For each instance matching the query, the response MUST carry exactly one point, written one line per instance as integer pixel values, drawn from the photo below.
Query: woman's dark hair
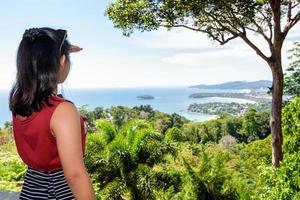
(38, 60)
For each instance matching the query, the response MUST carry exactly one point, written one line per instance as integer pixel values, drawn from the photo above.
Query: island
(254, 95)
(144, 97)
(257, 91)
(216, 108)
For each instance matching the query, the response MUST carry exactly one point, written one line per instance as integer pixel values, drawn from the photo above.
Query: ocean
(166, 99)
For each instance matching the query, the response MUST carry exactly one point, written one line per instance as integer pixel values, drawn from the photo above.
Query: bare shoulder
(65, 115)
(65, 107)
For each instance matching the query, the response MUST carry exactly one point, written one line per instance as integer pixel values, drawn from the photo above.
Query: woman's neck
(55, 90)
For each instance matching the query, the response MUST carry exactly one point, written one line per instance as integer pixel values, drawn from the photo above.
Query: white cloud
(177, 38)
(237, 62)
(237, 55)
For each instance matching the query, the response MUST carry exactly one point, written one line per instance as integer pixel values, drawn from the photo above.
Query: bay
(166, 99)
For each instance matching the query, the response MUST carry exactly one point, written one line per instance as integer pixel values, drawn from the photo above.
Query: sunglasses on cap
(64, 36)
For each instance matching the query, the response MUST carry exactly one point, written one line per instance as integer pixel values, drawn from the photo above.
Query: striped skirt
(40, 185)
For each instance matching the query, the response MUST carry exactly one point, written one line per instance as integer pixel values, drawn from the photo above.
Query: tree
(177, 120)
(175, 134)
(211, 131)
(122, 161)
(255, 125)
(146, 111)
(91, 116)
(105, 129)
(231, 125)
(120, 114)
(222, 21)
(292, 77)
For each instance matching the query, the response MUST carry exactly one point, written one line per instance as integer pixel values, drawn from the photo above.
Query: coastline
(167, 99)
(251, 97)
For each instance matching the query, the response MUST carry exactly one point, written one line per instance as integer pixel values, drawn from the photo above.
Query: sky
(151, 59)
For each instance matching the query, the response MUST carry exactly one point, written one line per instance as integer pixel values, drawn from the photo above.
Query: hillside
(255, 85)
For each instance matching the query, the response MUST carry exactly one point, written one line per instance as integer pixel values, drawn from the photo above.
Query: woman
(48, 130)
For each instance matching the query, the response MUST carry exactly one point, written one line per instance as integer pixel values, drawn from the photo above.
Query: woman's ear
(62, 62)
(62, 67)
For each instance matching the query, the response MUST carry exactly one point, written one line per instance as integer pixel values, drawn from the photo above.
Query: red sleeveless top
(34, 141)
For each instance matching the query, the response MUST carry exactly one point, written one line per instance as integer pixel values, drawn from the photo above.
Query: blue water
(166, 99)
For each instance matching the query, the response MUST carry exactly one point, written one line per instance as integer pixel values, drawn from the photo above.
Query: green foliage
(162, 122)
(177, 120)
(126, 159)
(6, 135)
(136, 15)
(211, 131)
(191, 131)
(252, 126)
(175, 134)
(137, 164)
(148, 15)
(232, 125)
(94, 143)
(190, 160)
(210, 178)
(168, 180)
(8, 126)
(120, 114)
(91, 116)
(256, 153)
(284, 182)
(12, 168)
(106, 130)
(255, 125)
(146, 111)
(291, 126)
(292, 77)
(238, 127)
(250, 157)
(115, 186)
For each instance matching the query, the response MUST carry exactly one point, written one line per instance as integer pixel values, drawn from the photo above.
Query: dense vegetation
(139, 153)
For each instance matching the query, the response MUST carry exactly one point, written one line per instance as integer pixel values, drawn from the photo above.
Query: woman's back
(35, 142)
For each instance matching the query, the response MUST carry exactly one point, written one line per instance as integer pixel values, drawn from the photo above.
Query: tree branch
(291, 23)
(255, 48)
(261, 32)
(295, 5)
(233, 31)
(183, 26)
(222, 41)
(289, 12)
(268, 20)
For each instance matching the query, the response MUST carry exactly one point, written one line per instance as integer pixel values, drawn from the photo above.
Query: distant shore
(256, 97)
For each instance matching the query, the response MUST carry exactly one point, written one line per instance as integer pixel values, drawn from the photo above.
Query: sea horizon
(171, 99)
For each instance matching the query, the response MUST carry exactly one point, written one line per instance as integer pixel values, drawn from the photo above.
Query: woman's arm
(65, 124)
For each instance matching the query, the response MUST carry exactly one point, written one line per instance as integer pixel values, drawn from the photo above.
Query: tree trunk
(275, 118)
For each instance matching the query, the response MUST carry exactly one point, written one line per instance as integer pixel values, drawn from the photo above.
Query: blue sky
(160, 58)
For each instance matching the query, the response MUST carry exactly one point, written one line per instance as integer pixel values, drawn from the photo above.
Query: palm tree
(122, 165)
